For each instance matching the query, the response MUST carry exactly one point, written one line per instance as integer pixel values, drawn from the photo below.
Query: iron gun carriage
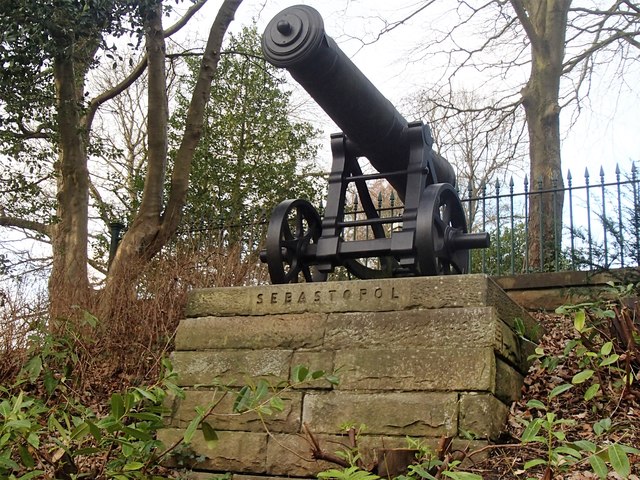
(432, 238)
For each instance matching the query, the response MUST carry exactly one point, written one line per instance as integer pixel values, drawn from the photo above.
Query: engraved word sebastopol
(329, 295)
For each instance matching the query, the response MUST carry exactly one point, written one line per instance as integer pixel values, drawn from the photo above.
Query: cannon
(429, 237)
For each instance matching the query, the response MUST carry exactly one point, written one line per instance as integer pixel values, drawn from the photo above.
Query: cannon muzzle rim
(292, 35)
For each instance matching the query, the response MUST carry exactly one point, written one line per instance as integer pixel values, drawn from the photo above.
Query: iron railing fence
(600, 225)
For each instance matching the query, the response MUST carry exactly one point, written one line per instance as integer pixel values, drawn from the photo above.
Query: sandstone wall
(419, 357)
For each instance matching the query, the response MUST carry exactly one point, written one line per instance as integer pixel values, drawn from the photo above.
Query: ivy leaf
(560, 389)
(619, 460)
(610, 360)
(606, 348)
(591, 391)
(536, 404)
(582, 376)
(50, 382)
(579, 320)
(598, 466)
(209, 434)
(530, 432)
(191, 429)
(300, 373)
(117, 406)
(132, 466)
(243, 400)
(277, 404)
(534, 463)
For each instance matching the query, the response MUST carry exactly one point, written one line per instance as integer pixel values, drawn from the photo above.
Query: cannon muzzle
(295, 39)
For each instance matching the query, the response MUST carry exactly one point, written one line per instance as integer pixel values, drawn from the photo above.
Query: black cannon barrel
(295, 39)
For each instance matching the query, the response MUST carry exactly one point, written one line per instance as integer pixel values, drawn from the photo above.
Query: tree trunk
(69, 284)
(545, 24)
(152, 228)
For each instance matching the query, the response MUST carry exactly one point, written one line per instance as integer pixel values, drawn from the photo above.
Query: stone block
(390, 413)
(234, 452)
(314, 361)
(439, 369)
(508, 382)
(471, 326)
(290, 456)
(445, 291)
(223, 417)
(194, 475)
(231, 366)
(303, 330)
(482, 415)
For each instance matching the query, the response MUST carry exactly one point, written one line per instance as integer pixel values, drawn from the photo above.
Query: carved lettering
(362, 294)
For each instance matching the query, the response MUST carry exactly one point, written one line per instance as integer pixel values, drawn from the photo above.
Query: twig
(318, 454)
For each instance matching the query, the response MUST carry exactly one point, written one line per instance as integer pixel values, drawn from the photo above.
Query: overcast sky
(605, 132)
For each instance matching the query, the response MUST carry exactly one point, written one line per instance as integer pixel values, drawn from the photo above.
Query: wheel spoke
(440, 210)
(293, 226)
(446, 213)
(306, 271)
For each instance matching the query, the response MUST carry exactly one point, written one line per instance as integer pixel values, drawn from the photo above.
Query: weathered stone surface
(314, 361)
(426, 357)
(362, 295)
(302, 330)
(509, 311)
(445, 291)
(471, 326)
(391, 413)
(290, 456)
(203, 368)
(508, 382)
(194, 475)
(234, 452)
(482, 415)
(223, 417)
(446, 368)
(514, 348)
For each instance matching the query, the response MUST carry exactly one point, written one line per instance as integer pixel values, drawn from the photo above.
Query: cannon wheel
(293, 226)
(440, 218)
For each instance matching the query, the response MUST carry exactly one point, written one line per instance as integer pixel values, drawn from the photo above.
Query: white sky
(605, 132)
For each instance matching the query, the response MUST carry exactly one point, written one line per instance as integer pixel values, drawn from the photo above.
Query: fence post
(484, 224)
(571, 227)
(513, 244)
(115, 227)
(540, 239)
(620, 234)
(588, 188)
(469, 228)
(604, 219)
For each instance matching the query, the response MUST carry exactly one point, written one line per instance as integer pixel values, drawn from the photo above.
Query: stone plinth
(422, 357)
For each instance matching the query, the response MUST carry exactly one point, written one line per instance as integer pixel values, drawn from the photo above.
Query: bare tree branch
(10, 221)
